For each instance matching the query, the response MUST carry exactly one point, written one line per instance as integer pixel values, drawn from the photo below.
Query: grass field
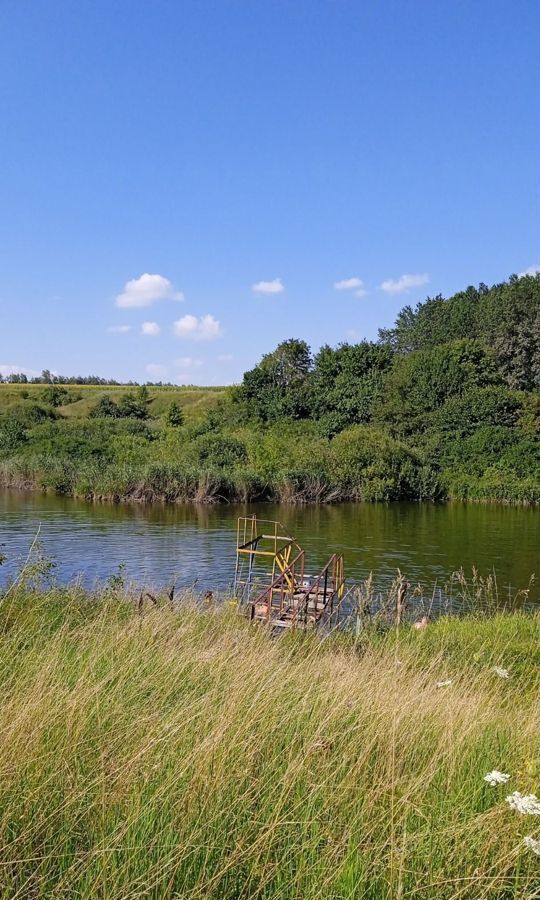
(195, 401)
(184, 753)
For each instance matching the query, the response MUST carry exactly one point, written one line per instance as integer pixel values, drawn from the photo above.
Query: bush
(55, 395)
(175, 415)
(131, 407)
(16, 424)
(289, 446)
(33, 414)
(12, 434)
(105, 408)
(372, 466)
(70, 440)
(492, 446)
(220, 450)
(494, 405)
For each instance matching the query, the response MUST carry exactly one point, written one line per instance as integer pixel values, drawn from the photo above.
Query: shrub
(370, 465)
(494, 405)
(33, 414)
(492, 446)
(55, 395)
(12, 434)
(105, 408)
(220, 450)
(175, 415)
(131, 406)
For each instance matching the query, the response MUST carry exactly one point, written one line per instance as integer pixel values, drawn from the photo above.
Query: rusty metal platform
(270, 578)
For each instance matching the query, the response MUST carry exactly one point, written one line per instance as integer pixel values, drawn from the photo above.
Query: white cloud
(348, 284)
(151, 328)
(225, 357)
(119, 329)
(187, 362)
(146, 290)
(404, 283)
(7, 369)
(532, 270)
(268, 287)
(156, 370)
(351, 284)
(205, 328)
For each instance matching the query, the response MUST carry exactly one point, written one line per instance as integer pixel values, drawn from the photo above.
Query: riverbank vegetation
(183, 752)
(445, 405)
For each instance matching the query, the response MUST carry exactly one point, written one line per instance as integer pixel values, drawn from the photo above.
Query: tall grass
(183, 753)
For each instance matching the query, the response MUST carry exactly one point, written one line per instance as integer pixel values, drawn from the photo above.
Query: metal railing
(328, 585)
(278, 597)
(292, 592)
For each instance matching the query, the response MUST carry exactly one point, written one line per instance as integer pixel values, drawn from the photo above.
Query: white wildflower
(526, 804)
(444, 683)
(502, 673)
(496, 777)
(532, 844)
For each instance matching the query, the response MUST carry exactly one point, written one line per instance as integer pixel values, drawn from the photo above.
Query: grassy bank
(183, 753)
(210, 457)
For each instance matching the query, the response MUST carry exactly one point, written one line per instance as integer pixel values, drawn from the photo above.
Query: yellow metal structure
(270, 577)
(263, 550)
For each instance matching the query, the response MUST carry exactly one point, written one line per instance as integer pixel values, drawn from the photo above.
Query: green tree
(131, 407)
(54, 395)
(421, 382)
(346, 382)
(278, 386)
(505, 317)
(105, 408)
(175, 415)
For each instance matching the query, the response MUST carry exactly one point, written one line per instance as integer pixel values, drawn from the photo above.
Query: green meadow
(180, 752)
(82, 398)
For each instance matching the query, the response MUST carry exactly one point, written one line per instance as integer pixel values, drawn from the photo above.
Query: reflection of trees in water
(427, 542)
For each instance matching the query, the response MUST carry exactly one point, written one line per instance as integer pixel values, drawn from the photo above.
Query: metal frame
(266, 547)
(275, 585)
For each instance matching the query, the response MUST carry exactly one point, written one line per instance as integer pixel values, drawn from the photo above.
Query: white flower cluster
(502, 673)
(526, 804)
(532, 844)
(496, 777)
(444, 683)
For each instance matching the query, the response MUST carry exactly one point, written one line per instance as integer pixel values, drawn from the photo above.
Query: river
(196, 544)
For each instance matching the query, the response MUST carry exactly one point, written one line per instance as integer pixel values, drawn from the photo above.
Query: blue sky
(245, 156)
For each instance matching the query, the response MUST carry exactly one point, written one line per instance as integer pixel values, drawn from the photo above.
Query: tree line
(446, 404)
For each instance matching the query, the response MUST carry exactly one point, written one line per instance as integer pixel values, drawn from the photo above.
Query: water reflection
(156, 543)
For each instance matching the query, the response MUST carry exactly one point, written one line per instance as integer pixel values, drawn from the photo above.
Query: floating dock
(270, 578)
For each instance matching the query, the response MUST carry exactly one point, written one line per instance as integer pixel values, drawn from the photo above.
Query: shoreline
(145, 496)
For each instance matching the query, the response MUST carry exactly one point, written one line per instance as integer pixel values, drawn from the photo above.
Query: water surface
(197, 543)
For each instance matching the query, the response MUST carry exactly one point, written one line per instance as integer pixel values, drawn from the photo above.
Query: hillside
(195, 401)
(446, 405)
